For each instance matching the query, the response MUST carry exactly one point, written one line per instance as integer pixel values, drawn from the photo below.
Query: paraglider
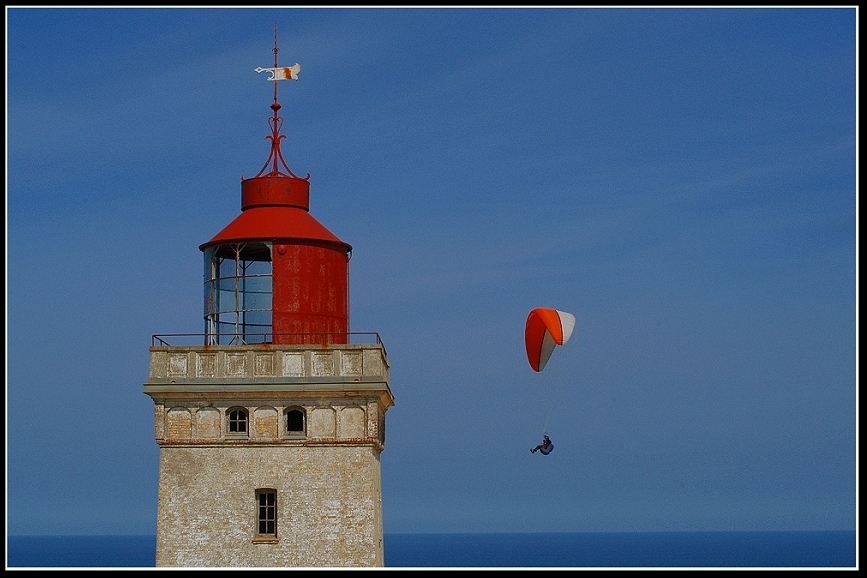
(546, 329)
(545, 447)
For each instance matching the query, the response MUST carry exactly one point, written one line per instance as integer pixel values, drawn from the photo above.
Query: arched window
(295, 421)
(238, 420)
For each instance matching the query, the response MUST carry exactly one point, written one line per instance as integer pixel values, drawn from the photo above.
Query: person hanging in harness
(545, 447)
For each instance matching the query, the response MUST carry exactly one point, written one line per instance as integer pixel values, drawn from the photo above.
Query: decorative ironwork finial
(276, 121)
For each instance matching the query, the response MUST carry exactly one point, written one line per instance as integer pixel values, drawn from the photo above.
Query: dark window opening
(238, 421)
(266, 512)
(295, 421)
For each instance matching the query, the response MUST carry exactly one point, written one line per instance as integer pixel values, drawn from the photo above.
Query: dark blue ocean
(579, 550)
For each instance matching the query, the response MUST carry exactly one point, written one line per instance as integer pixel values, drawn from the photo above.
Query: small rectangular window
(266, 504)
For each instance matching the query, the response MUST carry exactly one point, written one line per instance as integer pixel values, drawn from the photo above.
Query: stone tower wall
(327, 478)
(329, 506)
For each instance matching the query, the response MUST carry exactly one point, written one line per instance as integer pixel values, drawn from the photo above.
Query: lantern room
(275, 274)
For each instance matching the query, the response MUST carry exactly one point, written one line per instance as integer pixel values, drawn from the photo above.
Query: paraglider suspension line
(548, 417)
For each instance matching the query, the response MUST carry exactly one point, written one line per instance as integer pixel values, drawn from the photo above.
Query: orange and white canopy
(546, 328)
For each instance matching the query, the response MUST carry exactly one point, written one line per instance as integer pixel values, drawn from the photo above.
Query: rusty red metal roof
(275, 223)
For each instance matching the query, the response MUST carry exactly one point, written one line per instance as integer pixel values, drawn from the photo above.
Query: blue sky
(683, 181)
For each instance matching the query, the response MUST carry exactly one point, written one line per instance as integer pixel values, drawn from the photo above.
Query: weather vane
(278, 73)
(276, 122)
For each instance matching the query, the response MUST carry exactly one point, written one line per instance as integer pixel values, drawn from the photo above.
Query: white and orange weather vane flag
(282, 73)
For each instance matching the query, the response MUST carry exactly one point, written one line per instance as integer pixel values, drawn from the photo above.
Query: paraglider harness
(545, 447)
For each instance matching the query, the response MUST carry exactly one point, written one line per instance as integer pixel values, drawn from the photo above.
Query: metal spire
(276, 121)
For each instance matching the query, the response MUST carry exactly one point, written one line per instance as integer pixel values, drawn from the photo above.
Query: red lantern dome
(275, 274)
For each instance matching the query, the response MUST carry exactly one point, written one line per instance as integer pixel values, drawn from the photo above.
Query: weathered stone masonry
(327, 477)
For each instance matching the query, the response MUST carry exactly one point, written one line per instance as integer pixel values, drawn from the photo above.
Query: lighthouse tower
(271, 423)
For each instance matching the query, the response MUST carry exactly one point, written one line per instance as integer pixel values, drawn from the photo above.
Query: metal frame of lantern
(238, 294)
